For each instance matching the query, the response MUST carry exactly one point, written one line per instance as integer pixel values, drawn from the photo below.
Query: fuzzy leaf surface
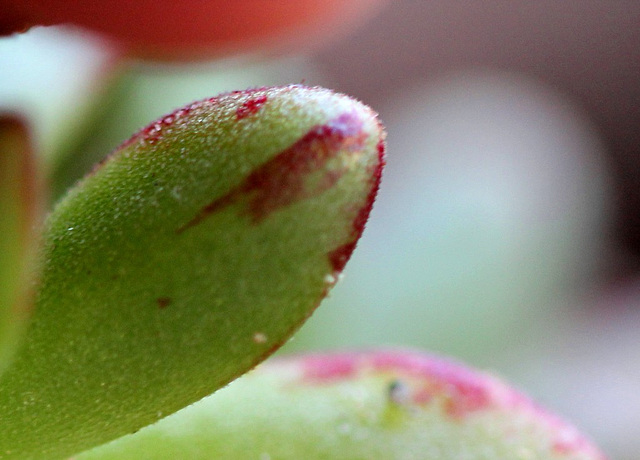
(189, 255)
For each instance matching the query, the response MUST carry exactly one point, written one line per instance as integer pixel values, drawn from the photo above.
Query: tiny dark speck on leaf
(398, 392)
(163, 302)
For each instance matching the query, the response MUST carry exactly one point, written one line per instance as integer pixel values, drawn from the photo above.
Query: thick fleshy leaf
(386, 405)
(188, 256)
(19, 200)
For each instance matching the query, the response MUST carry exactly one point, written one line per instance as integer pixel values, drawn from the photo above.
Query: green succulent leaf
(19, 204)
(188, 256)
(383, 405)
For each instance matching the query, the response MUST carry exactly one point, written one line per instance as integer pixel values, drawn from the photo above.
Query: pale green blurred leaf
(385, 405)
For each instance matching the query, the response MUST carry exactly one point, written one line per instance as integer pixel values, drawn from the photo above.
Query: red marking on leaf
(423, 396)
(426, 379)
(340, 256)
(152, 133)
(462, 390)
(466, 397)
(577, 445)
(327, 368)
(569, 442)
(465, 391)
(251, 106)
(281, 181)
(163, 302)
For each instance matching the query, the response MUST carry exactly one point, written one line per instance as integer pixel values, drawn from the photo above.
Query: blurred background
(507, 229)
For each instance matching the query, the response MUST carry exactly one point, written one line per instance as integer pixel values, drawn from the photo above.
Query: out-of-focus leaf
(189, 255)
(385, 405)
(192, 28)
(19, 200)
(53, 75)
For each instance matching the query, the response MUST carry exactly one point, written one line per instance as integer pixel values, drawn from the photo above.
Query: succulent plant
(188, 256)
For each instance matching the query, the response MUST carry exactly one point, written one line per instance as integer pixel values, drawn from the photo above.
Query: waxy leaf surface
(383, 405)
(189, 255)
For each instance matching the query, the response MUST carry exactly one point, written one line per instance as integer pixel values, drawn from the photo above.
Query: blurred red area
(197, 28)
